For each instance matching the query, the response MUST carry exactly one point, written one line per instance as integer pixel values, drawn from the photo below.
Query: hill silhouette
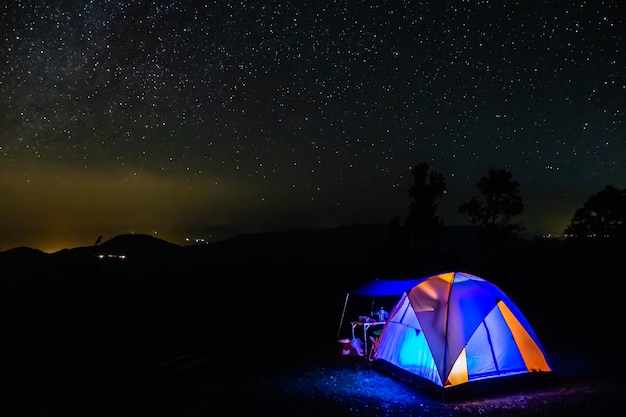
(137, 243)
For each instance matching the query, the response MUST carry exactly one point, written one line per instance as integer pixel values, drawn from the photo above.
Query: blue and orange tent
(454, 328)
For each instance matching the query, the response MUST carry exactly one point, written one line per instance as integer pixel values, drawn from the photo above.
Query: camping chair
(374, 343)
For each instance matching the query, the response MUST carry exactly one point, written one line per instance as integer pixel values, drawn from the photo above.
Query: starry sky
(204, 119)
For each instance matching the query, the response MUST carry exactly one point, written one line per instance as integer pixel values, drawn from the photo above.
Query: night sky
(187, 119)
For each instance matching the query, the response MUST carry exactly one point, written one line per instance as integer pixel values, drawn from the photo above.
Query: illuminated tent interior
(454, 328)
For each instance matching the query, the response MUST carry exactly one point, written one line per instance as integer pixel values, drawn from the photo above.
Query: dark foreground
(83, 337)
(312, 381)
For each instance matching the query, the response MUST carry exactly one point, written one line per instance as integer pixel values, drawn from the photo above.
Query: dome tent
(454, 328)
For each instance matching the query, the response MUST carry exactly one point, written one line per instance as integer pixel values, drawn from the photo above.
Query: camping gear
(381, 314)
(453, 328)
(377, 288)
(344, 346)
(386, 289)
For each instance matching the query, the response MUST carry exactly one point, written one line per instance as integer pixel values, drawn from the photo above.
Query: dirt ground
(324, 385)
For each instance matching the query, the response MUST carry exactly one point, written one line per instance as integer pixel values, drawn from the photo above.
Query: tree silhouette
(602, 216)
(500, 203)
(422, 223)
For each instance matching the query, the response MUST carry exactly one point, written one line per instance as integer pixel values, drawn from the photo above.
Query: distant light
(111, 256)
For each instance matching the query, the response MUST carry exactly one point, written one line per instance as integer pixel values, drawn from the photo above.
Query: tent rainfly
(454, 328)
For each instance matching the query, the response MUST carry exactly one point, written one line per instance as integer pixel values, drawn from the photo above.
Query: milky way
(194, 118)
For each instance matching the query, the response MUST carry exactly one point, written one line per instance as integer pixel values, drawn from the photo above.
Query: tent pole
(343, 312)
